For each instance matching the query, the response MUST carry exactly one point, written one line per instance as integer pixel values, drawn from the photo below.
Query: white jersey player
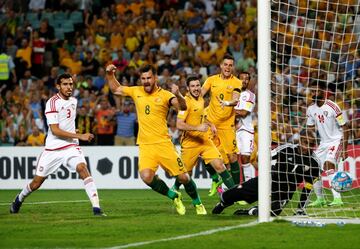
(245, 128)
(328, 119)
(61, 146)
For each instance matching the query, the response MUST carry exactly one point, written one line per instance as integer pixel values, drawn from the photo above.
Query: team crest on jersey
(326, 113)
(158, 100)
(244, 98)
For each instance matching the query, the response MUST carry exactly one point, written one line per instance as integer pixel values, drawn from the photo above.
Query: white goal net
(317, 41)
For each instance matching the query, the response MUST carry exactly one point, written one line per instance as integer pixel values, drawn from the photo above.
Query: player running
(333, 129)
(155, 147)
(196, 140)
(224, 91)
(61, 145)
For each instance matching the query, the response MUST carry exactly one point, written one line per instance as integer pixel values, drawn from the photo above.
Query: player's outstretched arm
(182, 125)
(179, 102)
(115, 87)
(55, 129)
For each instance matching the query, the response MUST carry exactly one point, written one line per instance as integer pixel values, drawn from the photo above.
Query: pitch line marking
(46, 202)
(186, 236)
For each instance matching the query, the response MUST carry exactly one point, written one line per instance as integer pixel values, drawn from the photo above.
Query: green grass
(143, 215)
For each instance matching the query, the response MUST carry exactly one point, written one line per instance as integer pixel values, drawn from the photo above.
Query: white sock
(26, 191)
(318, 189)
(91, 191)
(249, 171)
(335, 193)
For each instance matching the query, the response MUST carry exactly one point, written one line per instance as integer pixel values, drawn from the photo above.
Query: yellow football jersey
(222, 118)
(152, 110)
(194, 115)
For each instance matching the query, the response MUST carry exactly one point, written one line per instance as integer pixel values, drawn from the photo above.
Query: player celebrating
(224, 90)
(61, 146)
(155, 147)
(245, 131)
(195, 138)
(327, 117)
(292, 165)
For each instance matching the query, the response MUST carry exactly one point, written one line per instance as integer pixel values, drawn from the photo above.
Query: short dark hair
(245, 72)
(191, 78)
(228, 57)
(320, 84)
(63, 76)
(147, 68)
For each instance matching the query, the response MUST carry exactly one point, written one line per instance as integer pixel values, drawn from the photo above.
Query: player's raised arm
(115, 87)
(179, 102)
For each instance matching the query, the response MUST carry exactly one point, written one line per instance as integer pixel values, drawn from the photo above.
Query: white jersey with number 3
(328, 120)
(62, 112)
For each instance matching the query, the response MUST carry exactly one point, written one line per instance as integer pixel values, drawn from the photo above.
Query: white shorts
(329, 152)
(50, 161)
(245, 142)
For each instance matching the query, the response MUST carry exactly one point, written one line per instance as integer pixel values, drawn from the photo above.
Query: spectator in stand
(174, 132)
(166, 65)
(84, 123)
(11, 48)
(7, 72)
(168, 46)
(21, 136)
(8, 131)
(38, 55)
(105, 123)
(99, 80)
(90, 65)
(24, 52)
(121, 63)
(74, 64)
(36, 138)
(126, 123)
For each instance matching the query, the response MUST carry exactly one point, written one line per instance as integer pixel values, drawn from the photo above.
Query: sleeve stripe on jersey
(237, 90)
(51, 112)
(334, 107)
(52, 103)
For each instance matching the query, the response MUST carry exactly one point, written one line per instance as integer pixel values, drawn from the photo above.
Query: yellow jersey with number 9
(222, 118)
(151, 110)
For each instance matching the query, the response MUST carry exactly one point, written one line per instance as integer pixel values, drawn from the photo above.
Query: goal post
(264, 111)
(300, 42)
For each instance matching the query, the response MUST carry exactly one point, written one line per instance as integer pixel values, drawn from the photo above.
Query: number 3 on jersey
(68, 113)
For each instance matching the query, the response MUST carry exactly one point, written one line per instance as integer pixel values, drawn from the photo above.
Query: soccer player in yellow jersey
(155, 147)
(195, 138)
(224, 91)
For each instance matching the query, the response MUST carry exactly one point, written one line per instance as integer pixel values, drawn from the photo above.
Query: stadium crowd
(41, 39)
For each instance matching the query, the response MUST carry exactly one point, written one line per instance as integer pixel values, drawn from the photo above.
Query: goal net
(314, 41)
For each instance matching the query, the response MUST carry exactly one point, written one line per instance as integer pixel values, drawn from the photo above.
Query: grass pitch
(145, 219)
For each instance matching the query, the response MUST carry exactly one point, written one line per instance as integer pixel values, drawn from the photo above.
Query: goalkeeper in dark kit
(292, 164)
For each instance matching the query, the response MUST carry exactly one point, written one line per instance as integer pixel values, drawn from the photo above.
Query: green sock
(214, 176)
(235, 172)
(191, 190)
(160, 186)
(177, 184)
(227, 179)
